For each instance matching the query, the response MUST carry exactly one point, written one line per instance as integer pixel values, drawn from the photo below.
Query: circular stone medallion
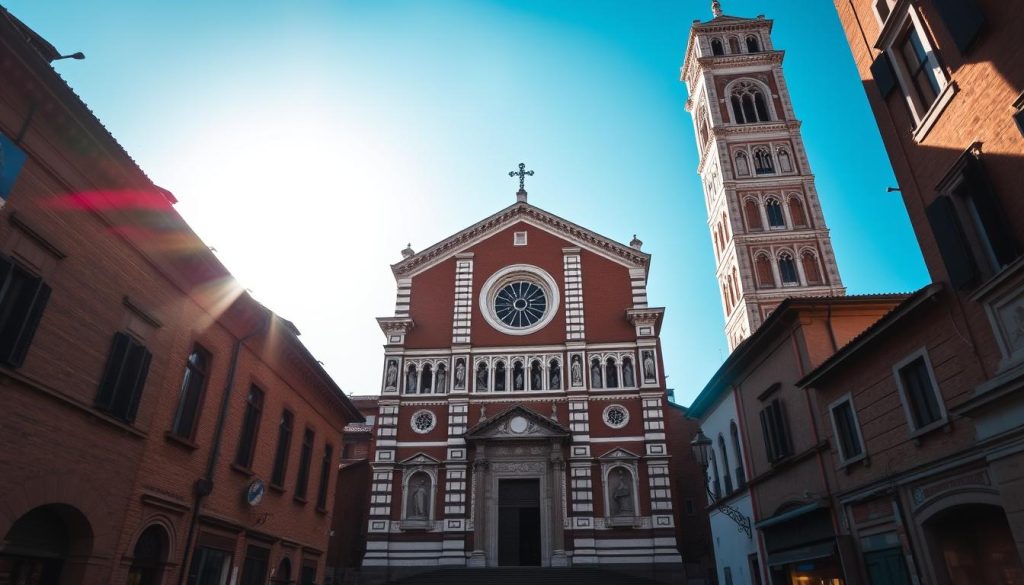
(518, 425)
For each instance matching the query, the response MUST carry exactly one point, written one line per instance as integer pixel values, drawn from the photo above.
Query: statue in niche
(595, 374)
(418, 499)
(648, 366)
(577, 371)
(622, 494)
(535, 377)
(517, 379)
(481, 377)
(410, 380)
(627, 374)
(483, 412)
(460, 374)
(555, 379)
(392, 376)
(442, 379)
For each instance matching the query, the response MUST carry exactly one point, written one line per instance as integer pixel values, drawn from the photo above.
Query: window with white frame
(909, 61)
(846, 428)
(919, 393)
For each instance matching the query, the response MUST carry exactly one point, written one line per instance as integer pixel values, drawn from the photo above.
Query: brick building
(159, 425)
(767, 449)
(924, 412)
(522, 408)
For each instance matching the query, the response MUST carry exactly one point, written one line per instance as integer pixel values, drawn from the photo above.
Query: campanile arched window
(773, 210)
(753, 46)
(763, 162)
(749, 103)
(716, 47)
(787, 269)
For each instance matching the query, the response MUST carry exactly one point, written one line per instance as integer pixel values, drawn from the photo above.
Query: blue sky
(309, 141)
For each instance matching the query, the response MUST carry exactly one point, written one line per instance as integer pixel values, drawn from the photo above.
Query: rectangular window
(847, 430)
(123, 378)
(250, 426)
(302, 480)
(284, 443)
(22, 300)
(210, 566)
(689, 507)
(919, 393)
(193, 385)
(308, 574)
(922, 78)
(776, 431)
(728, 575)
(254, 571)
(519, 239)
(1018, 115)
(969, 224)
(325, 477)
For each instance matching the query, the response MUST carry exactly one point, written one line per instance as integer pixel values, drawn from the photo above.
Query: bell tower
(767, 227)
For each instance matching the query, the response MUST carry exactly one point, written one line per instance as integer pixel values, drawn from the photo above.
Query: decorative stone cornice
(646, 317)
(520, 211)
(395, 325)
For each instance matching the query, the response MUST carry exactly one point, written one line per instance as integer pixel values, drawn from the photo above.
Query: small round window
(520, 304)
(616, 416)
(423, 421)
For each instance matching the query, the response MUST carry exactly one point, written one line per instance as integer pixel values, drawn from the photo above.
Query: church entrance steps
(523, 576)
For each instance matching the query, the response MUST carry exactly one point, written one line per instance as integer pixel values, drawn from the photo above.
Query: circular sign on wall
(254, 493)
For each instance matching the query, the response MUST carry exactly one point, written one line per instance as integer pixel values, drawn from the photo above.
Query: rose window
(423, 421)
(616, 416)
(520, 304)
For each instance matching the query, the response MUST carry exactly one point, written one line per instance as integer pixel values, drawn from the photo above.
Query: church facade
(522, 405)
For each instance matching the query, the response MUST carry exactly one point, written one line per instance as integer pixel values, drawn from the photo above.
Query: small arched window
(426, 381)
(716, 47)
(742, 164)
(785, 161)
(725, 464)
(717, 486)
(536, 376)
(481, 377)
(611, 373)
(774, 212)
(752, 45)
(752, 215)
(283, 575)
(518, 376)
(810, 265)
(787, 269)
(763, 163)
(741, 480)
(736, 282)
(628, 377)
(410, 380)
(554, 375)
(148, 557)
(734, 45)
(596, 376)
(796, 212)
(763, 270)
(499, 377)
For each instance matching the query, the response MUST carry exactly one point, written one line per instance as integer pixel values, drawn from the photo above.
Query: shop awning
(790, 514)
(804, 553)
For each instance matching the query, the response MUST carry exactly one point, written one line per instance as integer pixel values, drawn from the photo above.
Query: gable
(517, 423)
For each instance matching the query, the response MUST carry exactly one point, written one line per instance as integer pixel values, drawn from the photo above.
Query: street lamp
(701, 446)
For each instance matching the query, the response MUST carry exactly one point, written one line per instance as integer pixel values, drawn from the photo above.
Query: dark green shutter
(964, 20)
(990, 212)
(34, 304)
(111, 379)
(949, 236)
(882, 72)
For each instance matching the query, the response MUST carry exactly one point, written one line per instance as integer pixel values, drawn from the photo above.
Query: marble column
(557, 478)
(481, 466)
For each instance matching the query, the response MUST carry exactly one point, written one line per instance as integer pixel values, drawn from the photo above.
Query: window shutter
(952, 245)
(963, 18)
(882, 72)
(112, 372)
(140, 360)
(765, 430)
(785, 445)
(990, 212)
(34, 305)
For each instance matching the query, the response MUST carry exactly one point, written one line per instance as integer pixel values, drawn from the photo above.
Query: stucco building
(159, 425)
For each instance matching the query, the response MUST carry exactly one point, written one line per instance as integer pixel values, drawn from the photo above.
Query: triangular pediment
(517, 423)
(534, 216)
(420, 459)
(618, 454)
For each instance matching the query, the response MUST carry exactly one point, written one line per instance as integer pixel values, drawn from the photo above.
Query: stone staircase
(522, 576)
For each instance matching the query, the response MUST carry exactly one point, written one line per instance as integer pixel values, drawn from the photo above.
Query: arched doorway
(148, 557)
(36, 549)
(973, 544)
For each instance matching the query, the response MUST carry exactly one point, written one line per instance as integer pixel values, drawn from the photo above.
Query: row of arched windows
(731, 290)
(517, 374)
(750, 42)
(762, 160)
(774, 270)
(769, 212)
(720, 235)
(427, 377)
(612, 372)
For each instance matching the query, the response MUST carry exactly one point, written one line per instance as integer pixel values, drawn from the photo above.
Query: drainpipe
(204, 486)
